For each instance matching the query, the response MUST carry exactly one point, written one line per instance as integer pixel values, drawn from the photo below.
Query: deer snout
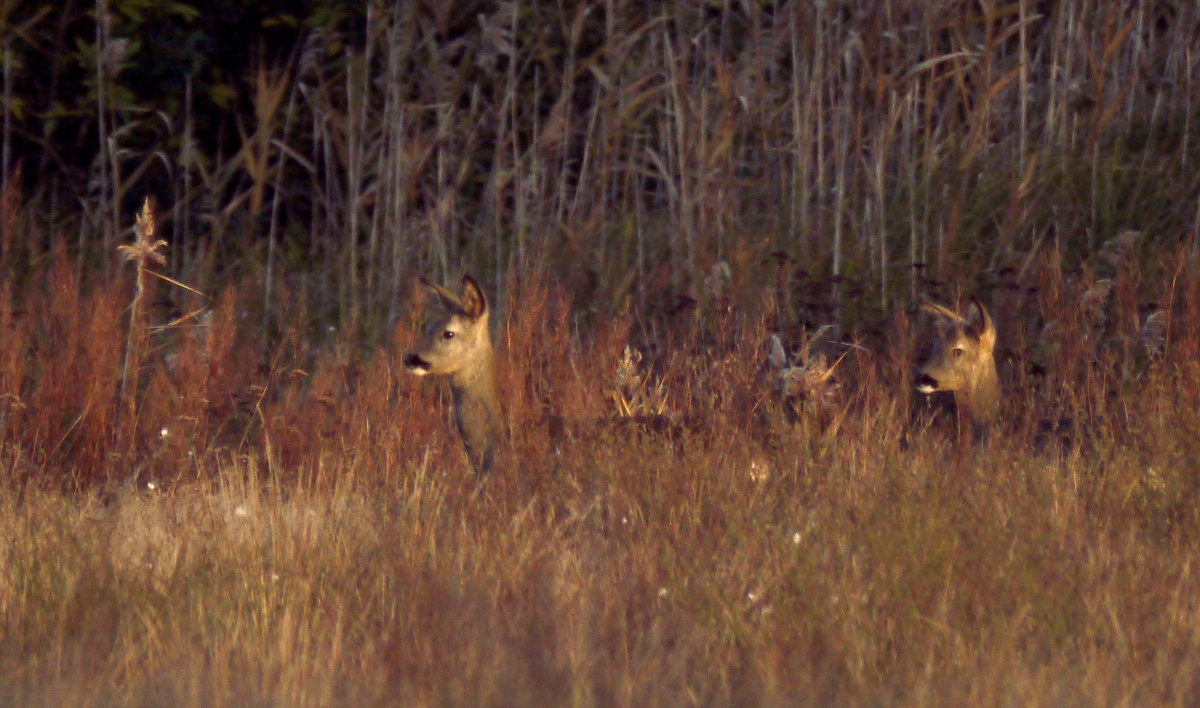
(926, 383)
(416, 365)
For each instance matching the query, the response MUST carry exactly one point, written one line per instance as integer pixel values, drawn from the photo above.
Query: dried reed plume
(144, 249)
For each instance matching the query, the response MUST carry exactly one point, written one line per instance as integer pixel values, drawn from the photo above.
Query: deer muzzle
(926, 383)
(416, 365)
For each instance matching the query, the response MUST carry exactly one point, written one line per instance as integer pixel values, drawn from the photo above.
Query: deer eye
(448, 334)
(958, 351)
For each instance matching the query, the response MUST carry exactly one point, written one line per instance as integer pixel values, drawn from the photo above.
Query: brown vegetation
(308, 532)
(719, 215)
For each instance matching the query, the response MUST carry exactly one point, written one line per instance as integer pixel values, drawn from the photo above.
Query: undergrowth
(304, 530)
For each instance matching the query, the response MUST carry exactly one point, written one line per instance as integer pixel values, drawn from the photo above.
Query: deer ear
(448, 299)
(979, 323)
(474, 302)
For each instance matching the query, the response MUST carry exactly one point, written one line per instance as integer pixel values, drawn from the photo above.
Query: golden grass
(280, 518)
(306, 532)
(717, 572)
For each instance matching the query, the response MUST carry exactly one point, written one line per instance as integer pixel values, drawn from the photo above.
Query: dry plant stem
(370, 141)
(517, 250)
(109, 231)
(355, 112)
(397, 214)
(144, 249)
(6, 160)
(276, 198)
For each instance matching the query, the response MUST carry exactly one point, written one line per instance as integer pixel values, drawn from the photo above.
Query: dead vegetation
(308, 532)
(711, 223)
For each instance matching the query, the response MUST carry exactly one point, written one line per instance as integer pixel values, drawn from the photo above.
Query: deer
(963, 362)
(457, 344)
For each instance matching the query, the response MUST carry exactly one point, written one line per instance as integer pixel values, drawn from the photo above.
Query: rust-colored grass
(306, 532)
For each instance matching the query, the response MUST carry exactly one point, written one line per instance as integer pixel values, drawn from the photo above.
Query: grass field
(219, 487)
(341, 554)
(851, 574)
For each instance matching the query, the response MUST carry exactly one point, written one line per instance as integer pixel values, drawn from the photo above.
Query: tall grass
(307, 532)
(627, 147)
(230, 493)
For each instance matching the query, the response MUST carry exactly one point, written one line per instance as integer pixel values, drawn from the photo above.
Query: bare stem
(144, 249)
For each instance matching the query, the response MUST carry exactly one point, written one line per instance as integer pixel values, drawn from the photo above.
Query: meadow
(218, 486)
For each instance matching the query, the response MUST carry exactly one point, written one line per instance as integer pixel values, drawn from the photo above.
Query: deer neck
(476, 382)
(981, 400)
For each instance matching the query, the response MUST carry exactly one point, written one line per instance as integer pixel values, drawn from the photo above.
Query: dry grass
(307, 534)
(270, 513)
(853, 573)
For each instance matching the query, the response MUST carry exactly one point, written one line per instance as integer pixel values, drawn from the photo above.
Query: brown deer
(963, 362)
(457, 344)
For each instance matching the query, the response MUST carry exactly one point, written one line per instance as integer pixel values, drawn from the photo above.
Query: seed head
(145, 248)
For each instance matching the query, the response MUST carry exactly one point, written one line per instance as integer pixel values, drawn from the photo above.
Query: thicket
(335, 150)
